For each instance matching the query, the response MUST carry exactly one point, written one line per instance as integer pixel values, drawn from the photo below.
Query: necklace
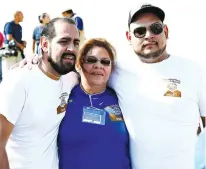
(91, 94)
(44, 70)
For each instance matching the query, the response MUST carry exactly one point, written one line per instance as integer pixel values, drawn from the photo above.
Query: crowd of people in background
(13, 32)
(86, 105)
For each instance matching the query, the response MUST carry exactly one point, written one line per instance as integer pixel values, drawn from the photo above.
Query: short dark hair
(69, 11)
(42, 16)
(49, 29)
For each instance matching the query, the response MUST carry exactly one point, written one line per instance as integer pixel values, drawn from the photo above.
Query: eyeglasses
(155, 28)
(93, 60)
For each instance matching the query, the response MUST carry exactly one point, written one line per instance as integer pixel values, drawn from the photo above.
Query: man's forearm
(18, 44)
(4, 163)
(33, 46)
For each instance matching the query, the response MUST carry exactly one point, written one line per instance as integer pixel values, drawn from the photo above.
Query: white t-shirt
(29, 100)
(162, 127)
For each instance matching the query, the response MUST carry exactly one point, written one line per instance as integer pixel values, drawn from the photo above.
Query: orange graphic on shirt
(175, 93)
(63, 105)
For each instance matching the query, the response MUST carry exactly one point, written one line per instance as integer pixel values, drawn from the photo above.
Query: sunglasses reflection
(155, 28)
(94, 60)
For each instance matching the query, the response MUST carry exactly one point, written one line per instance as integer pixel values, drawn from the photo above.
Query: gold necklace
(44, 69)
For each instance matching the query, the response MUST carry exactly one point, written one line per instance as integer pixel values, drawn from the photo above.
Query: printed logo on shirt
(115, 113)
(63, 103)
(172, 88)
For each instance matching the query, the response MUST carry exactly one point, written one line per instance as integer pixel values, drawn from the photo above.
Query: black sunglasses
(155, 28)
(93, 60)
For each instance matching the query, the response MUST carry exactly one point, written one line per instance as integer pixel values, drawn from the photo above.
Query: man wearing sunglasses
(161, 96)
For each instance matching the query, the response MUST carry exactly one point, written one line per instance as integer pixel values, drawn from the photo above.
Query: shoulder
(76, 90)
(16, 79)
(38, 27)
(187, 64)
(78, 18)
(9, 24)
(35, 29)
(19, 74)
(111, 93)
(70, 80)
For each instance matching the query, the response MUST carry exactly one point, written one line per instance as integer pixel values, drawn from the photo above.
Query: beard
(153, 55)
(60, 67)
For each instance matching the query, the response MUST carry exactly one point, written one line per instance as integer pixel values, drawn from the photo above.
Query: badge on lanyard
(93, 115)
(115, 113)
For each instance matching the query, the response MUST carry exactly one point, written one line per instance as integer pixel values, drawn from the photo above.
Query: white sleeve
(12, 96)
(202, 94)
(113, 79)
(115, 75)
(70, 80)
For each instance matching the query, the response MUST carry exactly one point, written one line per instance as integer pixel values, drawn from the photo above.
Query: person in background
(79, 22)
(1, 39)
(13, 31)
(93, 134)
(43, 20)
(13, 34)
(1, 44)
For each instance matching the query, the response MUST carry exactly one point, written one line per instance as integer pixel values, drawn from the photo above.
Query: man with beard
(162, 96)
(33, 102)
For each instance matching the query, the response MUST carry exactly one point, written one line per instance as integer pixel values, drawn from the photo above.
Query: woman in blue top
(43, 20)
(93, 134)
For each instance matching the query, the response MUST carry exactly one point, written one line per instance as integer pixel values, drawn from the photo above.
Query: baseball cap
(145, 8)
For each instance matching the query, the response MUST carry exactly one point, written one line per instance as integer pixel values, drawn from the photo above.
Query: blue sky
(108, 18)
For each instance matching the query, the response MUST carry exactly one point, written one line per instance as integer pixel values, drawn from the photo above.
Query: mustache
(71, 55)
(148, 43)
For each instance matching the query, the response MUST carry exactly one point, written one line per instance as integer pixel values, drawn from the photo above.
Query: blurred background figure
(1, 44)
(43, 20)
(13, 39)
(1, 39)
(79, 22)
